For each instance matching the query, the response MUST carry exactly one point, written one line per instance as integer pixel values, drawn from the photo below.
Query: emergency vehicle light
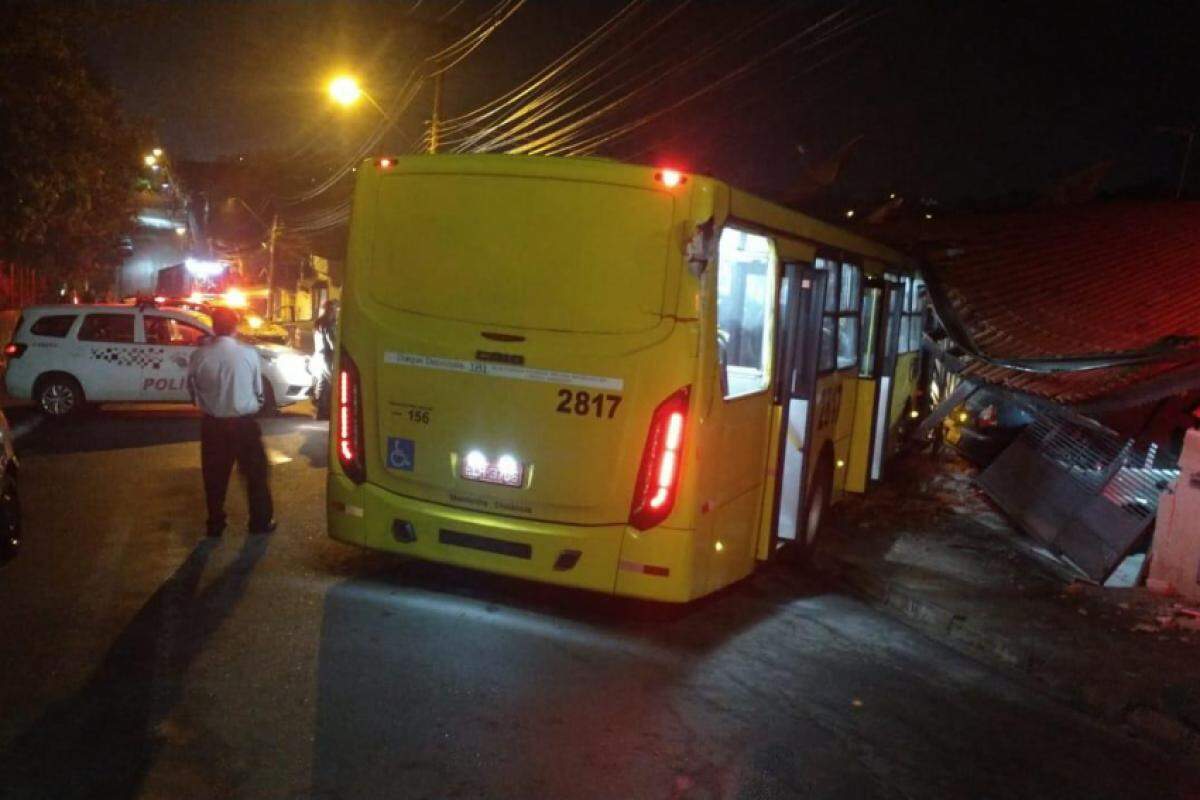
(204, 269)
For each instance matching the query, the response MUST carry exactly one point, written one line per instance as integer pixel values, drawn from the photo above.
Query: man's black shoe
(268, 528)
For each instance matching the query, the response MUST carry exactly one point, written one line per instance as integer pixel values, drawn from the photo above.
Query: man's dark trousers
(222, 442)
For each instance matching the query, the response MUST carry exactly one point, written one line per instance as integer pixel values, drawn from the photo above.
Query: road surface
(138, 659)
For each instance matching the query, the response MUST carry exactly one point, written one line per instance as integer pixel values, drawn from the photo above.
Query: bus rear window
(521, 252)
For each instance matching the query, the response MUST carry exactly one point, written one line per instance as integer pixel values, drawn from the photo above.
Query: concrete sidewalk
(928, 547)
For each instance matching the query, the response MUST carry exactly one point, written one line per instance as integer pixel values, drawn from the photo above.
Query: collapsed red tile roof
(1074, 282)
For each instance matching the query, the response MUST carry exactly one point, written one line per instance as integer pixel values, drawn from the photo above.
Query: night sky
(954, 99)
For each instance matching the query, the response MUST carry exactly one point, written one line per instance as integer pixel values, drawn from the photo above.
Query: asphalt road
(139, 660)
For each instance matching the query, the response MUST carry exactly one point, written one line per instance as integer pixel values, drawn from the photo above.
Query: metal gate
(1088, 494)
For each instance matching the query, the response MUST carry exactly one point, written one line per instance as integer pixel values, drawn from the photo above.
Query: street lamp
(150, 160)
(346, 91)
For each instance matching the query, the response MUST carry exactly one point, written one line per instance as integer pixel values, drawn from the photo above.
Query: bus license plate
(504, 471)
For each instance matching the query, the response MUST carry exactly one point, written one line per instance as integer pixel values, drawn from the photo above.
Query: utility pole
(274, 234)
(445, 33)
(1187, 156)
(437, 113)
(1190, 135)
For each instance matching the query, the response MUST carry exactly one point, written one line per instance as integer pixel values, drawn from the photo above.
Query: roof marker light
(670, 178)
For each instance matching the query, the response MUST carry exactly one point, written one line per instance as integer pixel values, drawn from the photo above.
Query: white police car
(64, 356)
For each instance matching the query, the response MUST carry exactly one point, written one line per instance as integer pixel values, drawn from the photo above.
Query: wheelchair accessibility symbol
(401, 453)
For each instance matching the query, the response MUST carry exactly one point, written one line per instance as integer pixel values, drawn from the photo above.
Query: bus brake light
(349, 421)
(658, 477)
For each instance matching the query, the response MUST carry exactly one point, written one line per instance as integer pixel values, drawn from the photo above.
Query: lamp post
(346, 91)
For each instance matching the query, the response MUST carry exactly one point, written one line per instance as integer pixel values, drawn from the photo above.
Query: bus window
(847, 352)
(745, 282)
(870, 303)
(914, 311)
(829, 323)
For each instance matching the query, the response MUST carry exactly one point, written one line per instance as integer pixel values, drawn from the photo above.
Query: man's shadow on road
(316, 447)
(101, 742)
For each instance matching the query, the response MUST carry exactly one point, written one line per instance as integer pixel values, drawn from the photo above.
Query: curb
(957, 632)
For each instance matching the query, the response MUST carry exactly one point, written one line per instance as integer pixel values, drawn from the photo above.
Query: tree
(68, 157)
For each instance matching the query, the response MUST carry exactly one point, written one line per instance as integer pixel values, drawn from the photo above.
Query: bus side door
(795, 391)
(886, 354)
(741, 417)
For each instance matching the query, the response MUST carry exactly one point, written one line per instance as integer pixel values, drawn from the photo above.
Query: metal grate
(1087, 494)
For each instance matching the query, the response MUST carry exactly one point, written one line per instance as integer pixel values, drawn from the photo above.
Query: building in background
(163, 235)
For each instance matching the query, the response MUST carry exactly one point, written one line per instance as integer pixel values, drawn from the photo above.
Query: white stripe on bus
(512, 371)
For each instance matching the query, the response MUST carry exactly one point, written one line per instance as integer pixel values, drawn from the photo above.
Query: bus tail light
(658, 477)
(349, 420)
(14, 349)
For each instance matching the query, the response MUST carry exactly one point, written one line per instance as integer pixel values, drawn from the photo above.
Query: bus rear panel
(515, 382)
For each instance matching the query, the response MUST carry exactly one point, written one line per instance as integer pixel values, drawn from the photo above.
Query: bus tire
(58, 395)
(816, 510)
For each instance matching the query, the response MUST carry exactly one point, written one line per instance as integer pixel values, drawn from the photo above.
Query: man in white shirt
(225, 380)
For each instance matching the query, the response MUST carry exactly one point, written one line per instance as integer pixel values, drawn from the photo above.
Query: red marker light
(670, 178)
(14, 349)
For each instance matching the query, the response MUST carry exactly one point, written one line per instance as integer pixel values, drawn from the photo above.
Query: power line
(541, 106)
(571, 123)
(547, 73)
(581, 146)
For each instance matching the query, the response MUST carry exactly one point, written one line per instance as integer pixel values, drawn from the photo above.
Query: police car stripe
(504, 371)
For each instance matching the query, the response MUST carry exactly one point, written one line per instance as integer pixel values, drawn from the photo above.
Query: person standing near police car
(225, 381)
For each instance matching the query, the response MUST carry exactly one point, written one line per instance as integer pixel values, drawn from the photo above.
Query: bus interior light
(658, 476)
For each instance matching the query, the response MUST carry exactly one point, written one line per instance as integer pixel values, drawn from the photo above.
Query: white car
(64, 356)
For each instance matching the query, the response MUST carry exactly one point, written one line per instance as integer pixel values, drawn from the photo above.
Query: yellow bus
(620, 378)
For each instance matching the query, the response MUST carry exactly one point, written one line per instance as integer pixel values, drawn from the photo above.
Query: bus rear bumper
(569, 555)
